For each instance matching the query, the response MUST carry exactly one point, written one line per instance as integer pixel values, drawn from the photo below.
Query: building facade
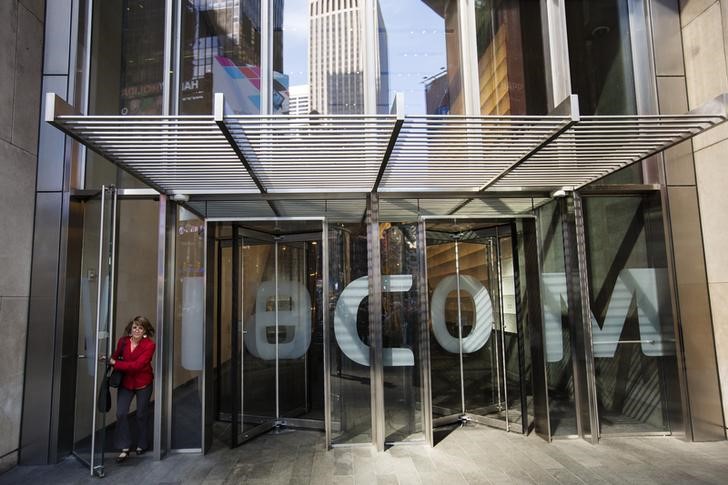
(501, 211)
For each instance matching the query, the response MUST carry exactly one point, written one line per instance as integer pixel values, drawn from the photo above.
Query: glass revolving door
(474, 338)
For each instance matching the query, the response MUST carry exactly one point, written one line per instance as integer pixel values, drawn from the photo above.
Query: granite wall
(21, 60)
(704, 25)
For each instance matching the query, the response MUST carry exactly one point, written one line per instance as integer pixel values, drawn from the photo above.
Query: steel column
(235, 350)
(375, 321)
(160, 446)
(424, 341)
(327, 331)
(577, 283)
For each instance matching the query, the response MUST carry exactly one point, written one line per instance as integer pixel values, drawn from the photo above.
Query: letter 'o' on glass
(483, 325)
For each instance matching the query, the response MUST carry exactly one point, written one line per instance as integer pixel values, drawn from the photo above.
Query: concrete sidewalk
(469, 455)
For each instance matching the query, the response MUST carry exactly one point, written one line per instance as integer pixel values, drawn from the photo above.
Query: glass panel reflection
(351, 419)
(189, 301)
(557, 331)
(257, 275)
(291, 39)
(602, 71)
(444, 364)
(220, 54)
(337, 57)
(632, 327)
(508, 36)
(401, 330)
(475, 343)
(301, 381)
(127, 70)
(419, 55)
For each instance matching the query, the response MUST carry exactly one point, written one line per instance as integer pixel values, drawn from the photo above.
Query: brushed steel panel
(534, 311)
(39, 369)
(67, 334)
(51, 142)
(57, 37)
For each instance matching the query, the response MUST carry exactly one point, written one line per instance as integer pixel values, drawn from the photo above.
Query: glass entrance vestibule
(377, 332)
(289, 305)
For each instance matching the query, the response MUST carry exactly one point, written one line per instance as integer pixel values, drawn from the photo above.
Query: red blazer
(137, 365)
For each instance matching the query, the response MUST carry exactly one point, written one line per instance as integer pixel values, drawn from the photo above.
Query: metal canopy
(480, 155)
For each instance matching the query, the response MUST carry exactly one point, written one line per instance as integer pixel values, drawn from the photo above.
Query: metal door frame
(160, 396)
(96, 468)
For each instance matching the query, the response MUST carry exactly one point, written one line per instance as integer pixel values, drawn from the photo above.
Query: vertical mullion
(167, 66)
(577, 287)
(520, 335)
(460, 328)
(160, 447)
(277, 370)
(588, 354)
(424, 332)
(266, 56)
(234, 341)
(375, 322)
(326, 334)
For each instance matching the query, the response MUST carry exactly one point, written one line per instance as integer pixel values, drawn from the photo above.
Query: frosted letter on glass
(648, 287)
(483, 325)
(345, 321)
(296, 321)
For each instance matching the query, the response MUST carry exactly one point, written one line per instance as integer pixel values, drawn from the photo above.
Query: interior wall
(21, 35)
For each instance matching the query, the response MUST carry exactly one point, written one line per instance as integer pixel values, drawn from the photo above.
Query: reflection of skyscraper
(437, 95)
(299, 100)
(336, 62)
(140, 86)
(212, 28)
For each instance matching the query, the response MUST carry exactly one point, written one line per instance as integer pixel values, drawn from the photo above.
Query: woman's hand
(112, 361)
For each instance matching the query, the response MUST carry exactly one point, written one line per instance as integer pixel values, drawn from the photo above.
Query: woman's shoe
(122, 456)
(140, 451)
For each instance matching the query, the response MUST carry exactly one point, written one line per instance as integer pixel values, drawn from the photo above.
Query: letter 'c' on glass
(345, 322)
(483, 324)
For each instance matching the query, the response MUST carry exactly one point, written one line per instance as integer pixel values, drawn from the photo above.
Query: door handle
(82, 356)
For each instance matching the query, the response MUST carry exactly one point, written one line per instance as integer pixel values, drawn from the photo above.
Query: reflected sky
(415, 38)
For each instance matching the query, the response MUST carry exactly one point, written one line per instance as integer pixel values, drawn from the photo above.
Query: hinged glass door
(95, 327)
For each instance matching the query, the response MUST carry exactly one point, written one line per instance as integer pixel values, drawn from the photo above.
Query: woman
(133, 357)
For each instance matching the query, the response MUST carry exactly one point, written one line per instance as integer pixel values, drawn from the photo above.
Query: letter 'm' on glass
(483, 325)
(648, 286)
(345, 321)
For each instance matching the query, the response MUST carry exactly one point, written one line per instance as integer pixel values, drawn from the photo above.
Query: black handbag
(116, 376)
(103, 404)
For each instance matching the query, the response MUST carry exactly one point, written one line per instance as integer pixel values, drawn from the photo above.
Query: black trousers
(122, 434)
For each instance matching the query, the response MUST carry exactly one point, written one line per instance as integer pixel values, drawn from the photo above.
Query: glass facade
(401, 332)
(601, 65)
(419, 55)
(220, 53)
(293, 341)
(127, 73)
(292, 62)
(187, 355)
(511, 78)
(557, 328)
(350, 363)
(632, 328)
